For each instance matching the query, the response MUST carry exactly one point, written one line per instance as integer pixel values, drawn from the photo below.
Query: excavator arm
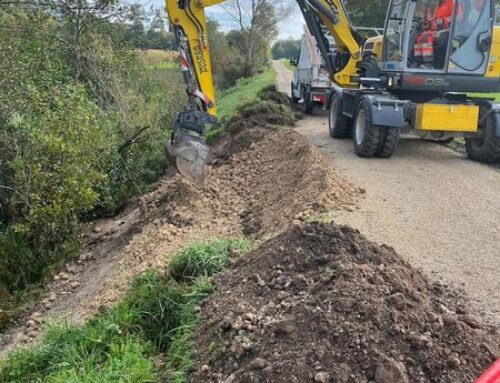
(187, 145)
(332, 16)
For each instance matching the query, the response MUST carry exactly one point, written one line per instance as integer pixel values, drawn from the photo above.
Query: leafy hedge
(73, 146)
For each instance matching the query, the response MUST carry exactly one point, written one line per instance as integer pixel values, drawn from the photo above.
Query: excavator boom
(187, 145)
(405, 79)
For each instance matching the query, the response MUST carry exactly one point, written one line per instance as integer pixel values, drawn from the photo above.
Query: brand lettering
(200, 60)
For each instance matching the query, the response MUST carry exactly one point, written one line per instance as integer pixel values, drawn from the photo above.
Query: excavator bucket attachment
(187, 148)
(189, 154)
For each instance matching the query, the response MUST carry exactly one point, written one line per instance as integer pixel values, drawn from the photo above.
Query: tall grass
(243, 92)
(127, 343)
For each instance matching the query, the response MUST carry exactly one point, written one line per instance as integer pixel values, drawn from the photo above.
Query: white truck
(310, 77)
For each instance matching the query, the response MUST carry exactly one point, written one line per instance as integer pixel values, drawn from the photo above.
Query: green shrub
(74, 145)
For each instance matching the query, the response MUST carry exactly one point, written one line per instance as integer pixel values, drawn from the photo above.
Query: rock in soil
(353, 312)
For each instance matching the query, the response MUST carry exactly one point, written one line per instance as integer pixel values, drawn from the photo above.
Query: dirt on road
(439, 210)
(321, 303)
(259, 182)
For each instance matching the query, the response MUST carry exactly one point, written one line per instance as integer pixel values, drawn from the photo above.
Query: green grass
(286, 62)
(243, 92)
(164, 65)
(496, 96)
(125, 344)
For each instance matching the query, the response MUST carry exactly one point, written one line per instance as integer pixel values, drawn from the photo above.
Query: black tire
(338, 125)
(293, 99)
(485, 149)
(388, 143)
(307, 105)
(366, 137)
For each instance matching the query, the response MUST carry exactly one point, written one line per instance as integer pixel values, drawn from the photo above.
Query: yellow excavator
(423, 74)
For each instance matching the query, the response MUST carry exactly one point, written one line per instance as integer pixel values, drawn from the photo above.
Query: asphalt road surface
(436, 208)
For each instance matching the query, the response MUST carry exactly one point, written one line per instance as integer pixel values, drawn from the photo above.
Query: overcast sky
(293, 27)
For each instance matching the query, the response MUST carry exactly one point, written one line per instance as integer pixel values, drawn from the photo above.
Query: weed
(199, 260)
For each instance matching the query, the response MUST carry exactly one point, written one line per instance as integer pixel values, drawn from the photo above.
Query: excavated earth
(259, 181)
(321, 303)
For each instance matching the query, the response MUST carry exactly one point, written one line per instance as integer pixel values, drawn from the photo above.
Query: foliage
(122, 344)
(78, 138)
(155, 36)
(368, 13)
(257, 21)
(286, 49)
(227, 60)
(200, 260)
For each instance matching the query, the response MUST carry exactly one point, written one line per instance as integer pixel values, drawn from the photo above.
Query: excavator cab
(438, 36)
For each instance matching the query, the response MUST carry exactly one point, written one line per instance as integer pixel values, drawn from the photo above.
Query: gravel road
(435, 207)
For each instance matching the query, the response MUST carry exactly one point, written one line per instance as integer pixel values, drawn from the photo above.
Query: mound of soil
(278, 179)
(320, 303)
(268, 179)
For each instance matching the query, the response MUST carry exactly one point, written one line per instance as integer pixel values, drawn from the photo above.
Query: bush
(54, 155)
(74, 144)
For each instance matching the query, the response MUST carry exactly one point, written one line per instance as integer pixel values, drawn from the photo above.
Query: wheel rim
(333, 112)
(360, 126)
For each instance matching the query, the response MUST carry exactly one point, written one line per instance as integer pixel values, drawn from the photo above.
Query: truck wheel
(367, 137)
(293, 99)
(485, 148)
(307, 105)
(388, 143)
(338, 124)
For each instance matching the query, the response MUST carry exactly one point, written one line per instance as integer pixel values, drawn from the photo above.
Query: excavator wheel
(338, 125)
(388, 143)
(367, 137)
(485, 148)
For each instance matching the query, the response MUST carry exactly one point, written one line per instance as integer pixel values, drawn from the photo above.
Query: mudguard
(387, 111)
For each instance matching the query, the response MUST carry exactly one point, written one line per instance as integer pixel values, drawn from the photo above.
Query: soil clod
(335, 307)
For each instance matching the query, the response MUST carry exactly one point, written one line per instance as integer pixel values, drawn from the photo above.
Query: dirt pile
(267, 180)
(279, 179)
(320, 303)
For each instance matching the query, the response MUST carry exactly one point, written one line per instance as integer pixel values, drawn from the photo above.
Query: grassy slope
(244, 91)
(145, 338)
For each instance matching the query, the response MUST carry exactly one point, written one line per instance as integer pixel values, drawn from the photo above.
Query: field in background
(159, 59)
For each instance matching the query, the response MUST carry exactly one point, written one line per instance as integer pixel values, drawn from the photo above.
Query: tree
(157, 36)
(288, 49)
(227, 60)
(257, 22)
(367, 13)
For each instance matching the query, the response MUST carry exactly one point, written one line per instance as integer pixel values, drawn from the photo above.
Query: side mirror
(484, 41)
